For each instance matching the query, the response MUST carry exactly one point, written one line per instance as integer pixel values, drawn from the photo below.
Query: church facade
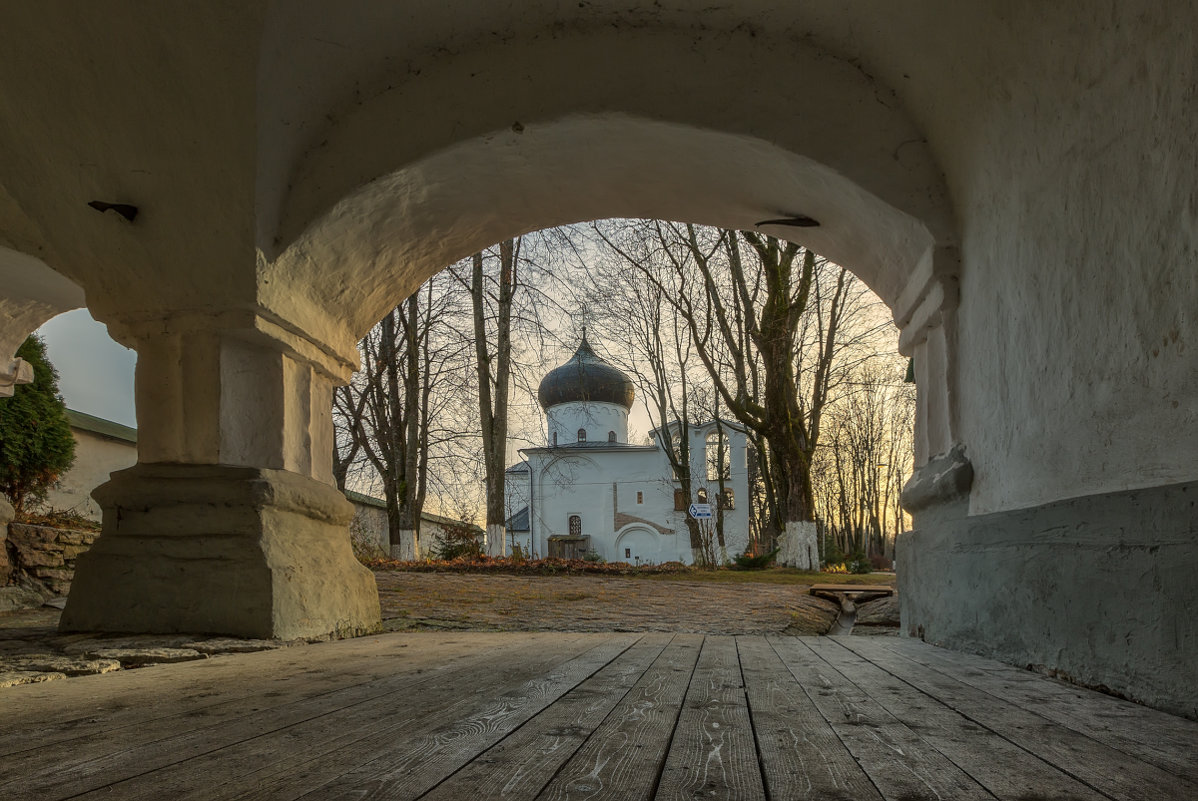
(589, 491)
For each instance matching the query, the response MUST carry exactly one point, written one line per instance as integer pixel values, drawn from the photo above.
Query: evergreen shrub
(36, 444)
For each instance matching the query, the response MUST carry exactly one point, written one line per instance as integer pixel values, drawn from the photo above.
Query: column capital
(17, 371)
(930, 295)
(253, 326)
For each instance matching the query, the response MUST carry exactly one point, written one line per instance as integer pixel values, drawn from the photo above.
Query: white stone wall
(517, 491)
(96, 457)
(370, 522)
(1077, 324)
(582, 483)
(597, 419)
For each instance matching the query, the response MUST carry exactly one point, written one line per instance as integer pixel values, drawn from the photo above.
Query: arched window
(582, 435)
(611, 436)
(718, 463)
(575, 526)
(555, 439)
(701, 495)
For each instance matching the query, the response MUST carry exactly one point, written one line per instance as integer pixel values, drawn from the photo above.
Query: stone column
(230, 522)
(926, 314)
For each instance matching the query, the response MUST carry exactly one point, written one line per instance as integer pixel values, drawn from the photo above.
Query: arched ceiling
(247, 132)
(476, 145)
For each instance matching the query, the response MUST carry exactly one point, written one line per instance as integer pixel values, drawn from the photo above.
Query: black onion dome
(585, 377)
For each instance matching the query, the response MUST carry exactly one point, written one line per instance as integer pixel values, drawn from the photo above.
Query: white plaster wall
(1077, 322)
(371, 523)
(582, 484)
(95, 458)
(30, 294)
(516, 493)
(596, 418)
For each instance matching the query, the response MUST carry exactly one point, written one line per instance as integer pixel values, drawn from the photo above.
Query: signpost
(700, 511)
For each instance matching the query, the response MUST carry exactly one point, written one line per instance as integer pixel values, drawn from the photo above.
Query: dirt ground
(32, 650)
(597, 603)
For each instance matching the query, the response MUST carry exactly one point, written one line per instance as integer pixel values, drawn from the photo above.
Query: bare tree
(494, 379)
(395, 410)
(864, 460)
(744, 317)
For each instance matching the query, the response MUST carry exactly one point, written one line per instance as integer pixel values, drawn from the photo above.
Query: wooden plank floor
(443, 716)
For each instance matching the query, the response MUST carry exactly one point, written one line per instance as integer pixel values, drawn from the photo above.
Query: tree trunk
(494, 377)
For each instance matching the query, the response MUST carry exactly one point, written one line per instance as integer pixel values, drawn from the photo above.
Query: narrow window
(728, 499)
(627, 553)
(611, 436)
(640, 497)
(717, 456)
(679, 501)
(575, 526)
(555, 439)
(701, 495)
(582, 435)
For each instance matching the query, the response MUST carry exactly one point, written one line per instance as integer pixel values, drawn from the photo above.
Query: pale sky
(95, 374)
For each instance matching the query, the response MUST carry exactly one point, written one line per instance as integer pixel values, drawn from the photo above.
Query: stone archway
(353, 262)
(1048, 153)
(637, 544)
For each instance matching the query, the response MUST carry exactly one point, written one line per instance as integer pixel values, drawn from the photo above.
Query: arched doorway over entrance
(637, 545)
(361, 220)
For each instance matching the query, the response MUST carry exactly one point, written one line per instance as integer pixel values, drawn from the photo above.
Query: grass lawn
(772, 575)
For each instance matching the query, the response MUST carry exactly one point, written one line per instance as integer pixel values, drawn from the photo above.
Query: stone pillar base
(212, 549)
(1098, 589)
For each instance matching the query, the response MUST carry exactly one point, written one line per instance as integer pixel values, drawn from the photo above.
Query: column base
(212, 549)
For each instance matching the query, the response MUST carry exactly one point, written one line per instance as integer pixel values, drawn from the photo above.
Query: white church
(589, 490)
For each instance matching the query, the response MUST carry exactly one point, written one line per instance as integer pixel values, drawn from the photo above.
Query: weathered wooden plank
(622, 758)
(801, 757)
(713, 753)
(410, 766)
(236, 741)
(520, 765)
(898, 762)
(1003, 768)
(885, 589)
(1086, 759)
(115, 707)
(291, 761)
(1164, 740)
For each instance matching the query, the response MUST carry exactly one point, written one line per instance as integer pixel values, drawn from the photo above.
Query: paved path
(451, 715)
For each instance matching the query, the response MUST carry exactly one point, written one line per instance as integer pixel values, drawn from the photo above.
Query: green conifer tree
(36, 445)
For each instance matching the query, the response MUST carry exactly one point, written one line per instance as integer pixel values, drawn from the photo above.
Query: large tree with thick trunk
(395, 411)
(494, 369)
(765, 323)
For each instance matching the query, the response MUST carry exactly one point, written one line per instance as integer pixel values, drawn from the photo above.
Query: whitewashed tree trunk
(799, 546)
(407, 550)
(496, 540)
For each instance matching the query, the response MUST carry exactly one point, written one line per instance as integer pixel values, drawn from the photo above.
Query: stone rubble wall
(42, 556)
